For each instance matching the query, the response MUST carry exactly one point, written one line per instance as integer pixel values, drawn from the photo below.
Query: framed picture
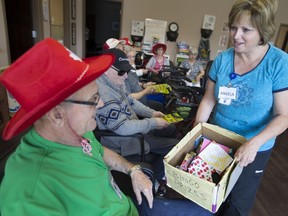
(73, 33)
(282, 37)
(73, 9)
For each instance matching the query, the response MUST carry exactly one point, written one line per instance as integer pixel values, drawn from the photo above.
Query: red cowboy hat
(157, 46)
(43, 77)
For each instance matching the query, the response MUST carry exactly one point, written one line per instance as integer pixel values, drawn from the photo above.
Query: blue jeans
(171, 207)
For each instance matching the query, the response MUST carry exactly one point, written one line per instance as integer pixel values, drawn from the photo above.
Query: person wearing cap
(120, 114)
(157, 61)
(59, 168)
(135, 88)
(114, 43)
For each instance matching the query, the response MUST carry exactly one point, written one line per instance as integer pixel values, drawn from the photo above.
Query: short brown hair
(262, 14)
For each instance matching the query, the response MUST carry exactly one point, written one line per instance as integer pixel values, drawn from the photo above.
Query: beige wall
(189, 15)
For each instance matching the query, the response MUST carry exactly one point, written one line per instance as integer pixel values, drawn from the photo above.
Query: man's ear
(56, 115)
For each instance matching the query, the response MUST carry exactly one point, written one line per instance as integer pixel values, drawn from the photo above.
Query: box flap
(223, 136)
(233, 179)
(185, 145)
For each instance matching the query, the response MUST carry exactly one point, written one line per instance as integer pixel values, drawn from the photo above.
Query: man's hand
(150, 83)
(150, 90)
(161, 123)
(142, 184)
(158, 114)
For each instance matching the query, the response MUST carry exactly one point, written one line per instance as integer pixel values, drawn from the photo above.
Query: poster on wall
(155, 32)
(137, 28)
(223, 41)
(209, 22)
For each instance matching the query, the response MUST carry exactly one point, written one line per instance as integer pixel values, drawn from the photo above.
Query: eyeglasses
(120, 72)
(89, 103)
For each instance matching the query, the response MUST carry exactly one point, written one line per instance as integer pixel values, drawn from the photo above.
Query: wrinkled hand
(246, 154)
(150, 83)
(150, 90)
(161, 123)
(142, 184)
(158, 114)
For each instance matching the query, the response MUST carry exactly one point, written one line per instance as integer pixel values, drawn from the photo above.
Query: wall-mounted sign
(209, 22)
(155, 30)
(137, 28)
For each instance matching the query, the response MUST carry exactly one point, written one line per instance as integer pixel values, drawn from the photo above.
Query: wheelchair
(182, 101)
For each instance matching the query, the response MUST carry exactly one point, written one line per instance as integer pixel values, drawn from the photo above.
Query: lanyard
(232, 76)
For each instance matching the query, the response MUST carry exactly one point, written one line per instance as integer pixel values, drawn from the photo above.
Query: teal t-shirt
(252, 109)
(47, 178)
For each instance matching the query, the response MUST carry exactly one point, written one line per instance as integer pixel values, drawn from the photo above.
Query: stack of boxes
(183, 52)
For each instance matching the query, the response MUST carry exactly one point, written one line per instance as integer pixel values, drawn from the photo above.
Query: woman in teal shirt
(248, 93)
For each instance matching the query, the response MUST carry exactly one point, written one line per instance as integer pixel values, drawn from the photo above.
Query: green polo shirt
(48, 178)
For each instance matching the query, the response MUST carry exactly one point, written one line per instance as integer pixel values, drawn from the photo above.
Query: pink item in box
(206, 142)
(200, 168)
(216, 157)
(187, 160)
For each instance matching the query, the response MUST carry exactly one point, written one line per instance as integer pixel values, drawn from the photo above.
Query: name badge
(226, 95)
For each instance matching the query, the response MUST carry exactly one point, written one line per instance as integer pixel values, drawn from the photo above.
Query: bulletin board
(154, 29)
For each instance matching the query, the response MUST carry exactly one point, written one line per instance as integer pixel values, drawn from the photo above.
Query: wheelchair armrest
(100, 133)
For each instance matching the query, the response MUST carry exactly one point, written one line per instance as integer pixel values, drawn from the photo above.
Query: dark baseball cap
(121, 60)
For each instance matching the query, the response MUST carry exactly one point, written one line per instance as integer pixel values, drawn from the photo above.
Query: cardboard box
(206, 194)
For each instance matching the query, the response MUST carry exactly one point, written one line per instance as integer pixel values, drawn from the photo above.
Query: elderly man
(59, 167)
(120, 114)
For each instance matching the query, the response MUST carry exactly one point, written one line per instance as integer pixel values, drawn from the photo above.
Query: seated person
(56, 168)
(120, 114)
(130, 52)
(59, 167)
(138, 90)
(157, 61)
(196, 71)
